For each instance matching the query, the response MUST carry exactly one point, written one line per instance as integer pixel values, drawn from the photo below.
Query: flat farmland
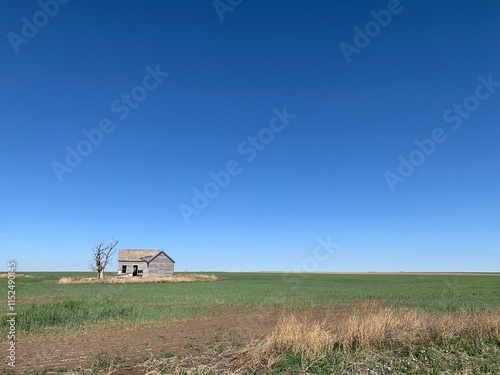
(259, 323)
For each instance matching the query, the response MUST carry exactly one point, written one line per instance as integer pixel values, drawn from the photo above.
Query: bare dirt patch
(78, 349)
(226, 326)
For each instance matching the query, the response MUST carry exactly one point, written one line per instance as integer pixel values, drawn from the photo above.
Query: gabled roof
(139, 255)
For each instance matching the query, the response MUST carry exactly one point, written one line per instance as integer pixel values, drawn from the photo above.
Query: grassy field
(45, 306)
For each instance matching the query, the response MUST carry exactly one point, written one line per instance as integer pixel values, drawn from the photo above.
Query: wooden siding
(161, 266)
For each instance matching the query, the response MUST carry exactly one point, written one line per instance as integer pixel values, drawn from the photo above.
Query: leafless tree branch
(101, 256)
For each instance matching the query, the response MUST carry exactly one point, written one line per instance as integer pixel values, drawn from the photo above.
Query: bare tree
(101, 256)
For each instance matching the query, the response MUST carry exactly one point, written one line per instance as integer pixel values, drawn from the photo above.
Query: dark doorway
(134, 273)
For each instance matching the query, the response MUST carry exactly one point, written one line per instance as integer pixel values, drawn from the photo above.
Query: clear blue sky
(331, 171)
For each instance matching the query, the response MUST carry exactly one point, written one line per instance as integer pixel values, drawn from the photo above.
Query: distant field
(48, 308)
(45, 304)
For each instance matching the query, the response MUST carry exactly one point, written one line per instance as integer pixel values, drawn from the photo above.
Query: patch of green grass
(105, 361)
(289, 362)
(168, 355)
(35, 372)
(421, 360)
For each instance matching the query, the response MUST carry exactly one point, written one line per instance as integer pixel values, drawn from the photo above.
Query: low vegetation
(391, 329)
(376, 340)
(17, 275)
(371, 340)
(185, 278)
(330, 324)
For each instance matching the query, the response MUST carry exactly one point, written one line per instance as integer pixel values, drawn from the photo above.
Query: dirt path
(79, 349)
(225, 326)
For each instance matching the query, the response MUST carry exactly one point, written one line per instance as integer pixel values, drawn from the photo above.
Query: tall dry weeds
(310, 339)
(386, 328)
(139, 280)
(17, 276)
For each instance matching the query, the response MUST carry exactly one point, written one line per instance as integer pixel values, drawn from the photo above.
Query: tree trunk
(101, 274)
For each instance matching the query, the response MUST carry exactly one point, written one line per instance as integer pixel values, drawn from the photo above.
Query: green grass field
(417, 323)
(43, 304)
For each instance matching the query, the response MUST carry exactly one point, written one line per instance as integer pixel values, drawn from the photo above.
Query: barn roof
(138, 255)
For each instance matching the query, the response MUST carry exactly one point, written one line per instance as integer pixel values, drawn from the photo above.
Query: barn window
(124, 269)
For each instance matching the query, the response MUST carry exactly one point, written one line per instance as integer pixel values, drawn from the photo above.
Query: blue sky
(359, 82)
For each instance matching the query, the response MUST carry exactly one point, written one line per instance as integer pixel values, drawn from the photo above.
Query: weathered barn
(145, 263)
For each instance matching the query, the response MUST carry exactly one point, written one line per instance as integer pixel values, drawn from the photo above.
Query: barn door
(134, 273)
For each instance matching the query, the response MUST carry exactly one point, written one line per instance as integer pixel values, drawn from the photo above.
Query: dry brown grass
(301, 337)
(139, 280)
(386, 328)
(18, 275)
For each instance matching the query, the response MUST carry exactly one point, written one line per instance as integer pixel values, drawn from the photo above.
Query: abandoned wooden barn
(144, 263)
